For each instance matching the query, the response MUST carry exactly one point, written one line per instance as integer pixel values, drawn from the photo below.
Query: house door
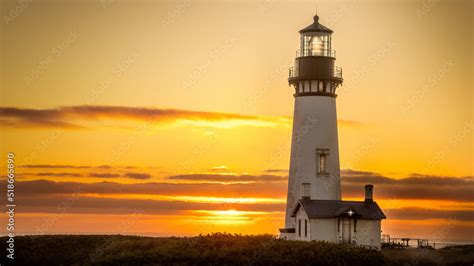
(346, 230)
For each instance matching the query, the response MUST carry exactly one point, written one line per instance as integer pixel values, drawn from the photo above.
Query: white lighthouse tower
(314, 209)
(314, 148)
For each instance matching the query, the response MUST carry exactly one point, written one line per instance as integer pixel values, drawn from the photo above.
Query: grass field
(216, 249)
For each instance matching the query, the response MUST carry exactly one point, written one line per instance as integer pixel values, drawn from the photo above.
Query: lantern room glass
(315, 44)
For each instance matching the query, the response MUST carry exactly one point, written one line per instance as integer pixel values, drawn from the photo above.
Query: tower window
(322, 163)
(322, 159)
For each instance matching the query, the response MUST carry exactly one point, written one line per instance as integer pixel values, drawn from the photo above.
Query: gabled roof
(335, 208)
(316, 27)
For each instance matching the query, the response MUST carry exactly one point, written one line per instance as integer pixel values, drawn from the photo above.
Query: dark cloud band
(71, 117)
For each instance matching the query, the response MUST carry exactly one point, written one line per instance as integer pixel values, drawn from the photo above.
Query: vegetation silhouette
(214, 249)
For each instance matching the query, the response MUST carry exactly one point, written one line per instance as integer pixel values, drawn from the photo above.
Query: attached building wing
(335, 208)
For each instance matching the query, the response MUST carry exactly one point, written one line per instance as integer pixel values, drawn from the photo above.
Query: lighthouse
(314, 208)
(314, 148)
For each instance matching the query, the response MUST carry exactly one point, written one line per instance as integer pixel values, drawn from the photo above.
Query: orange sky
(183, 108)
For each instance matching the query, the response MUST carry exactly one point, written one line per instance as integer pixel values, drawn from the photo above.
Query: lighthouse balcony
(337, 73)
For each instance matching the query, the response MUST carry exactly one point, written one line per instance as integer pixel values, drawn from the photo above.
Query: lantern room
(315, 40)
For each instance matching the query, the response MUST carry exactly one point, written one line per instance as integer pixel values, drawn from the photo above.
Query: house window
(305, 228)
(299, 227)
(322, 158)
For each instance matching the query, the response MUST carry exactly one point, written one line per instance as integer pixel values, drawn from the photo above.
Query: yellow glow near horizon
(232, 213)
(232, 123)
(230, 216)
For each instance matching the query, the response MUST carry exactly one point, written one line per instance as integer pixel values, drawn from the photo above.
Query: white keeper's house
(315, 209)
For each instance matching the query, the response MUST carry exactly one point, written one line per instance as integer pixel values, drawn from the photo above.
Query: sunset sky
(174, 117)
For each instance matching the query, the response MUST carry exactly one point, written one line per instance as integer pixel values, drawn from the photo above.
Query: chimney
(369, 191)
(306, 191)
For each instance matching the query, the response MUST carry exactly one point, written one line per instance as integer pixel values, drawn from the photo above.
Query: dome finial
(316, 18)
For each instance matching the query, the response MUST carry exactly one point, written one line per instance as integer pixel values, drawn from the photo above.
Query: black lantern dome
(316, 27)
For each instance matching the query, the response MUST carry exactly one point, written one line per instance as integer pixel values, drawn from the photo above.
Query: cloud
(228, 178)
(53, 166)
(45, 195)
(412, 187)
(74, 117)
(65, 166)
(59, 174)
(104, 175)
(46, 187)
(421, 188)
(137, 175)
(360, 177)
(351, 172)
(417, 187)
(132, 175)
(423, 214)
(104, 205)
(18, 122)
(415, 179)
(277, 171)
(71, 117)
